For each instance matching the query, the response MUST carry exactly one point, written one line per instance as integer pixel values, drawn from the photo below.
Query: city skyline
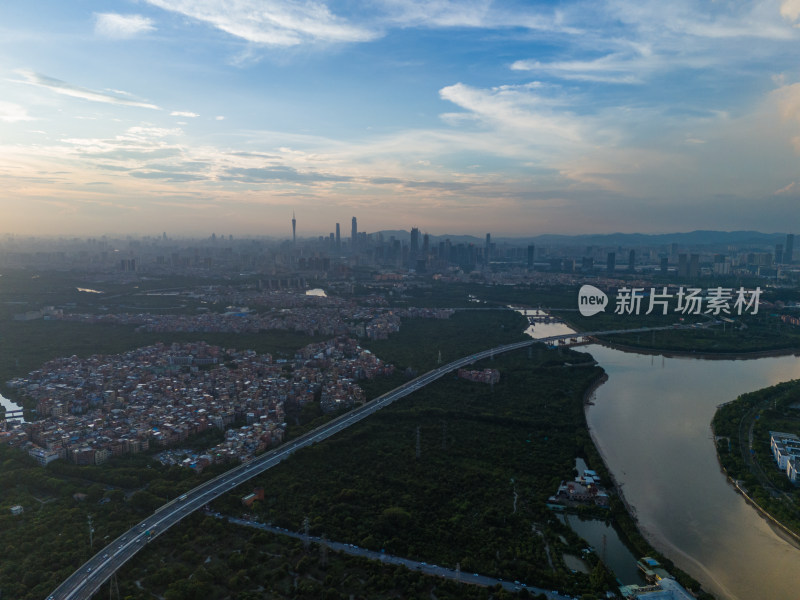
(569, 117)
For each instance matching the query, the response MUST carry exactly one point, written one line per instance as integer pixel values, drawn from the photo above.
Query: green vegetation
(489, 458)
(50, 539)
(455, 504)
(770, 409)
(209, 559)
(418, 343)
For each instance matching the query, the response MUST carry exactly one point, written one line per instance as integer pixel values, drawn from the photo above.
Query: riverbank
(787, 534)
(725, 354)
(732, 355)
(651, 424)
(624, 517)
(747, 476)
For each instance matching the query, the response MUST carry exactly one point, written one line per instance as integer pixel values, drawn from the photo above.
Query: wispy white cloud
(637, 40)
(482, 14)
(12, 113)
(74, 91)
(612, 68)
(518, 110)
(113, 25)
(437, 13)
(272, 22)
(718, 20)
(181, 113)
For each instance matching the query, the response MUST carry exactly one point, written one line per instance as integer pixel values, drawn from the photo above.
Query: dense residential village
(160, 395)
(319, 320)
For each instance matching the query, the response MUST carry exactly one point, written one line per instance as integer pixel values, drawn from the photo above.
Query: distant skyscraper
(338, 237)
(683, 265)
(488, 246)
(788, 249)
(426, 244)
(354, 233)
(414, 241)
(778, 254)
(664, 265)
(531, 257)
(294, 229)
(611, 262)
(632, 260)
(694, 265)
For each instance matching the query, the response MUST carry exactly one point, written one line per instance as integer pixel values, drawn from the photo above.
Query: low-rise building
(786, 452)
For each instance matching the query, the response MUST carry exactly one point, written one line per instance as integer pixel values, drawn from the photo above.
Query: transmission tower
(91, 532)
(323, 552)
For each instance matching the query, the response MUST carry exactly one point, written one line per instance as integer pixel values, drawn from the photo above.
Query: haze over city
(456, 117)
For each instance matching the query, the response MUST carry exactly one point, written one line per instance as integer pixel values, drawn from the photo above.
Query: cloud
(482, 14)
(790, 9)
(12, 113)
(612, 68)
(787, 98)
(791, 189)
(180, 113)
(116, 26)
(517, 110)
(271, 22)
(74, 91)
(255, 175)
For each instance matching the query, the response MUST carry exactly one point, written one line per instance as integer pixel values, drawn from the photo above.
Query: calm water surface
(651, 421)
(8, 404)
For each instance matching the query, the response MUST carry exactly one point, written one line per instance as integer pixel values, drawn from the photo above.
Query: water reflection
(651, 420)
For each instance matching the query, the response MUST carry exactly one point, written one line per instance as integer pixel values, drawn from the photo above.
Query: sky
(194, 117)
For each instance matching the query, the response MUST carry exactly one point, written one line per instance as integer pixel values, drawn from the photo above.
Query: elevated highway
(88, 578)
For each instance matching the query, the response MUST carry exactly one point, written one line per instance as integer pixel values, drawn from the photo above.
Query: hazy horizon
(504, 117)
(479, 237)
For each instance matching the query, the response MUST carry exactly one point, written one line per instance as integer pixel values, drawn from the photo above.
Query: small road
(90, 576)
(413, 565)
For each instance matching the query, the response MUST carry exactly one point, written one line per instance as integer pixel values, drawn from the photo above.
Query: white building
(786, 449)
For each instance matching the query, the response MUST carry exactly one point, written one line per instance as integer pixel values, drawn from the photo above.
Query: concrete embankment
(787, 534)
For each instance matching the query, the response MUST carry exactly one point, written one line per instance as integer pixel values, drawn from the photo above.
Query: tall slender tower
(294, 229)
(354, 234)
(338, 238)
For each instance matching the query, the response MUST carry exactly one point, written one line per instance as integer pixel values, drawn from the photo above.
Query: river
(8, 404)
(651, 422)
